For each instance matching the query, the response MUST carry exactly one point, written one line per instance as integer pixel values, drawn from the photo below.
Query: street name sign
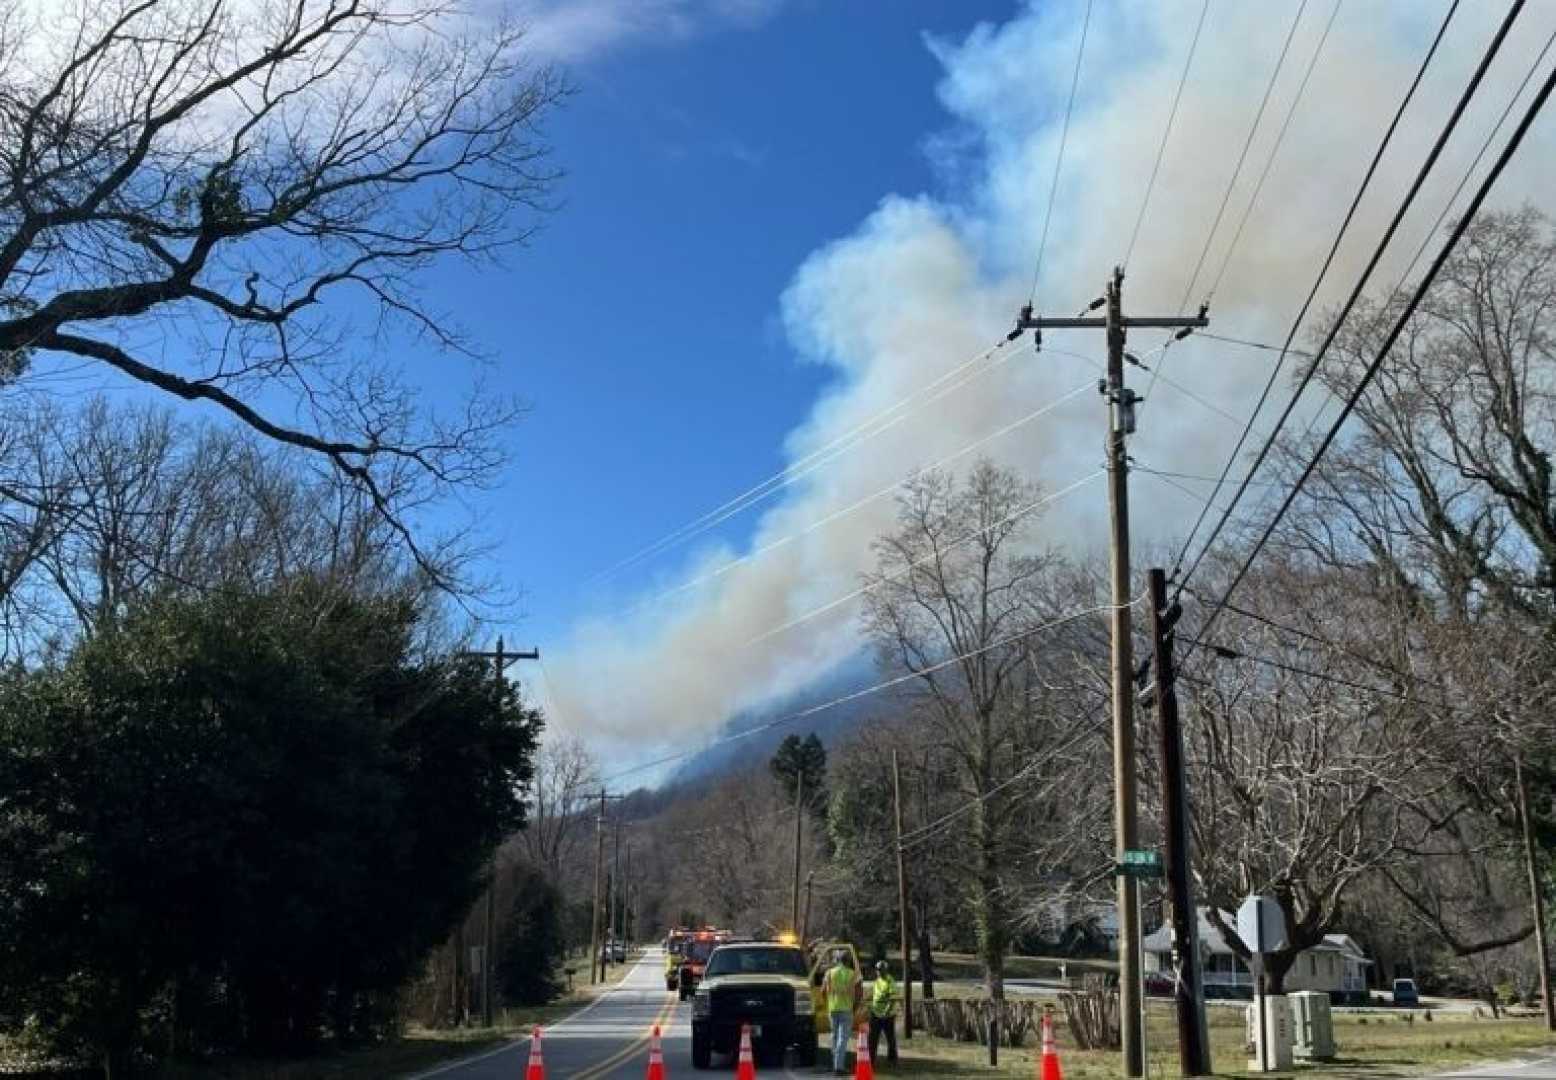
(1138, 863)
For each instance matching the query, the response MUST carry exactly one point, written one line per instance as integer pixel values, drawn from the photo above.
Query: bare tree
(1310, 769)
(1438, 504)
(141, 503)
(957, 593)
(205, 198)
(33, 511)
(560, 819)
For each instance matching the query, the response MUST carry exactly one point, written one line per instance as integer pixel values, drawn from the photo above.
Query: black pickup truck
(760, 985)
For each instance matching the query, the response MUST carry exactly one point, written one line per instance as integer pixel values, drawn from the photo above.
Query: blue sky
(781, 218)
(643, 324)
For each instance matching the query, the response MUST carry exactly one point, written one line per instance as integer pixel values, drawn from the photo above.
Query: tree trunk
(926, 959)
(1536, 896)
(1276, 967)
(989, 907)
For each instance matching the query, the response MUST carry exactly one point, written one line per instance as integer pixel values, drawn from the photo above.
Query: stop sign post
(1262, 926)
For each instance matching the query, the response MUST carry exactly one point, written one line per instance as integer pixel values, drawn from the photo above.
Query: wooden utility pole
(1121, 422)
(799, 822)
(489, 940)
(1536, 894)
(1193, 1041)
(596, 965)
(596, 970)
(902, 903)
(810, 882)
(615, 888)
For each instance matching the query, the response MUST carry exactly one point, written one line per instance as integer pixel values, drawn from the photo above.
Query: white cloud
(924, 282)
(573, 30)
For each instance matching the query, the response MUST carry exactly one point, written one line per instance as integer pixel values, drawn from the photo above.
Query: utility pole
(594, 922)
(1121, 422)
(615, 888)
(626, 901)
(799, 821)
(902, 903)
(596, 966)
(488, 942)
(1193, 1041)
(810, 882)
(1536, 896)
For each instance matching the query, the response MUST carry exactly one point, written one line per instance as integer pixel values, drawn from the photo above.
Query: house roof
(1211, 941)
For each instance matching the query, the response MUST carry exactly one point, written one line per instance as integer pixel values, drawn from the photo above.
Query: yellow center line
(603, 1067)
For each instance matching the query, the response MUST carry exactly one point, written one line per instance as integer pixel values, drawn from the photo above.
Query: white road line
(462, 1062)
(545, 1033)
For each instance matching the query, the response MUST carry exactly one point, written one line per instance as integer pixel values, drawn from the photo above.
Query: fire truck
(675, 949)
(694, 958)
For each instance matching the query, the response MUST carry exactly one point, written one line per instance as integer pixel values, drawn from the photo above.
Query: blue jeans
(842, 1030)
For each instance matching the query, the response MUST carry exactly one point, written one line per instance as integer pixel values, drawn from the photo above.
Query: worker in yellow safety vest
(843, 992)
(883, 1013)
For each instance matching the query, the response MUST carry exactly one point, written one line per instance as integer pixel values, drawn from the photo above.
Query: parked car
(1405, 992)
(618, 952)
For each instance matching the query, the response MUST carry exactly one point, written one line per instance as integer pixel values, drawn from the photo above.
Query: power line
(1241, 158)
(1320, 640)
(877, 688)
(757, 553)
(1197, 476)
(1198, 399)
(1166, 133)
(848, 440)
(1231, 184)
(1361, 283)
(1404, 317)
(1223, 652)
(1426, 238)
(1465, 179)
(926, 832)
(1260, 344)
(1064, 137)
(1008, 519)
(1269, 163)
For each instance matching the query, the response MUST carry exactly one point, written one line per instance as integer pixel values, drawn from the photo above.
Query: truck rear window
(733, 960)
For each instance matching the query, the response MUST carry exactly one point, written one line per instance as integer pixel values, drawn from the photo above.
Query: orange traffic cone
(746, 1070)
(864, 1068)
(537, 1062)
(656, 1058)
(1050, 1069)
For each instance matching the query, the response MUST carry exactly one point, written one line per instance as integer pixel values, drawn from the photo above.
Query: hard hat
(880, 965)
(839, 955)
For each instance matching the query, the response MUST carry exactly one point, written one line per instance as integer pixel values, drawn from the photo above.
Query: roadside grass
(411, 1054)
(1374, 1045)
(417, 1050)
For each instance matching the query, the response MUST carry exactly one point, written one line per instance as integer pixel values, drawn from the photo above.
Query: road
(1541, 1067)
(605, 1040)
(608, 1038)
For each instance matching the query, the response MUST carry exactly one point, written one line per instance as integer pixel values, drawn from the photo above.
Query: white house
(1338, 965)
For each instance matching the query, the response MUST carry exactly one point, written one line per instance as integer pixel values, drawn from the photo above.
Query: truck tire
(702, 1049)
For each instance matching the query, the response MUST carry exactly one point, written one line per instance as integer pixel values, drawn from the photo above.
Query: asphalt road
(608, 1039)
(605, 1040)
(1541, 1067)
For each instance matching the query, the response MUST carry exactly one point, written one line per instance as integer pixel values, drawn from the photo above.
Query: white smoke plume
(927, 281)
